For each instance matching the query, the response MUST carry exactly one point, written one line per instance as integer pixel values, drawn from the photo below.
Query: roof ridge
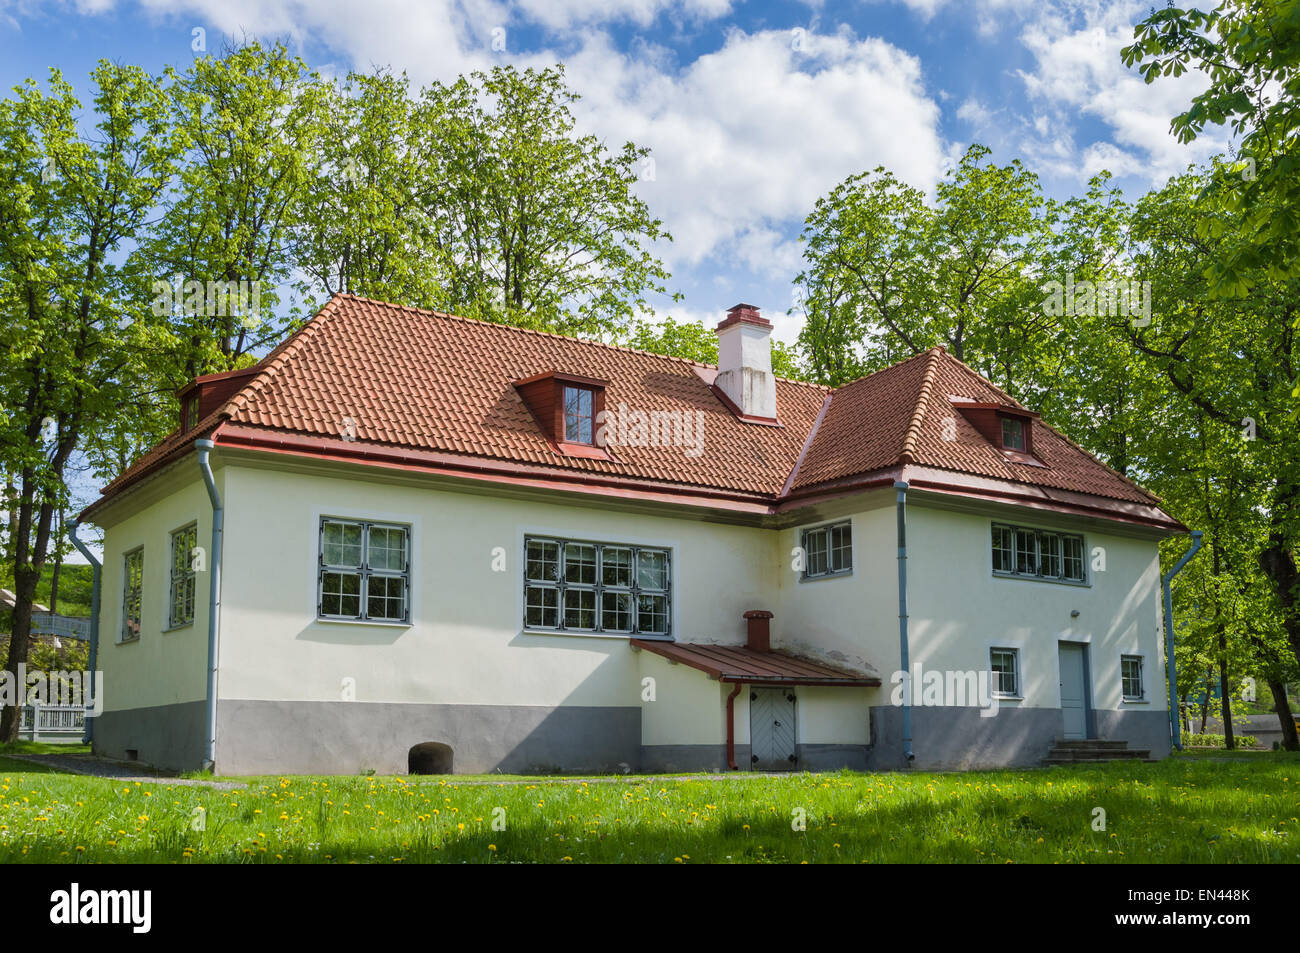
(562, 337)
(908, 454)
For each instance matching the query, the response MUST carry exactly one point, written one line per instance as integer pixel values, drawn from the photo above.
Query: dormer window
(579, 414)
(1013, 434)
(1008, 427)
(567, 408)
(190, 417)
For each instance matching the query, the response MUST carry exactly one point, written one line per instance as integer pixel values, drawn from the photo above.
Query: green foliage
(1217, 741)
(1250, 50)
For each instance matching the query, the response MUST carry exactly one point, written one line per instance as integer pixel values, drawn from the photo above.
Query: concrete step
(1094, 751)
(1065, 762)
(1090, 743)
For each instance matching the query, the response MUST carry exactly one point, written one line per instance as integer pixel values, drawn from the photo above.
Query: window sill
(1008, 698)
(128, 641)
(569, 633)
(1135, 701)
(1078, 584)
(177, 628)
(827, 575)
(376, 623)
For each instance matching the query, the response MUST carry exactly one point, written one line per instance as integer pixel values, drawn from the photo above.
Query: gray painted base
(166, 736)
(265, 737)
(958, 738)
(262, 737)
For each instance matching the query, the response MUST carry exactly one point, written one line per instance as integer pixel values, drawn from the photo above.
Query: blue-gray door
(1074, 690)
(771, 729)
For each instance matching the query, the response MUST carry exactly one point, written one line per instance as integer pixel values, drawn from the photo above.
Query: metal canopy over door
(771, 729)
(1074, 690)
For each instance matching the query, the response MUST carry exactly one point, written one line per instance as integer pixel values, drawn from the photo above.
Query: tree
(537, 226)
(1250, 50)
(69, 205)
(1230, 363)
(251, 124)
(888, 276)
(363, 223)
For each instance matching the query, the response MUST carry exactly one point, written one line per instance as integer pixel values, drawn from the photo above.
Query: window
(828, 550)
(365, 571)
(132, 594)
(191, 413)
(1131, 674)
(1013, 433)
(1037, 554)
(579, 414)
(1005, 668)
(595, 587)
(180, 601)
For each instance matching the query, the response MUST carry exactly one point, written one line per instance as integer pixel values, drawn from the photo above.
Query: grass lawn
(1219, 808)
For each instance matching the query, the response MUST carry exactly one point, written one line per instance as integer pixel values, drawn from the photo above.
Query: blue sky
(752, 110)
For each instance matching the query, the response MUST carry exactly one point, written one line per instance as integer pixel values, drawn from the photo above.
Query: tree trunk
(58, 564)
(1228, 740)
(1283, 708)
(1205, 703)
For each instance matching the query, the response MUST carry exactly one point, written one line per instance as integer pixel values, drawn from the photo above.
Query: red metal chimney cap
(758, 614)
(744, 314)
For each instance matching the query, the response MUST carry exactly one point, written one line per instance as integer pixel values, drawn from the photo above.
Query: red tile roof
(739, 663)
(429, 389)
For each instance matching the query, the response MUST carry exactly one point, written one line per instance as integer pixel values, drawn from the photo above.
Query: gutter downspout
(1175, 729)
(96, 574)
(904, 659)
(731, 727)
(204, 447)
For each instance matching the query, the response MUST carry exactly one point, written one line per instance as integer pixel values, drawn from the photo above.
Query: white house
(444, 542)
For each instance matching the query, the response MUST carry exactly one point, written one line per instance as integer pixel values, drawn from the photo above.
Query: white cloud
(1078, 71)
(748, 137)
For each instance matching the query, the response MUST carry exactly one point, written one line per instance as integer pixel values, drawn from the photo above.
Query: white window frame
(127, 597)
(1030, 541)
(364, 570)
(995, 682)
(1141, 676)
(562, 586)
(827, 531)
(185, 577)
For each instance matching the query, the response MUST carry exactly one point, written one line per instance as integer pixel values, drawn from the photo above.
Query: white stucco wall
(959, 609)
(161, 667)
(466, 643)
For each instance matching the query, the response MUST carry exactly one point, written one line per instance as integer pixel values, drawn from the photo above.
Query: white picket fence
(52, 723)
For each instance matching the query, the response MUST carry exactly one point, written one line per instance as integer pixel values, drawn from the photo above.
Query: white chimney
(745, 362)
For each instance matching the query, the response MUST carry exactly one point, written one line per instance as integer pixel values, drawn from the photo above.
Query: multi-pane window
(1131, 673)
(595, 587)
(1013, 434)
(1037, 554)
(180, 600)
(1006, 675)
(828, 550)
(579, 414)
(132, 594)
(365, 571)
